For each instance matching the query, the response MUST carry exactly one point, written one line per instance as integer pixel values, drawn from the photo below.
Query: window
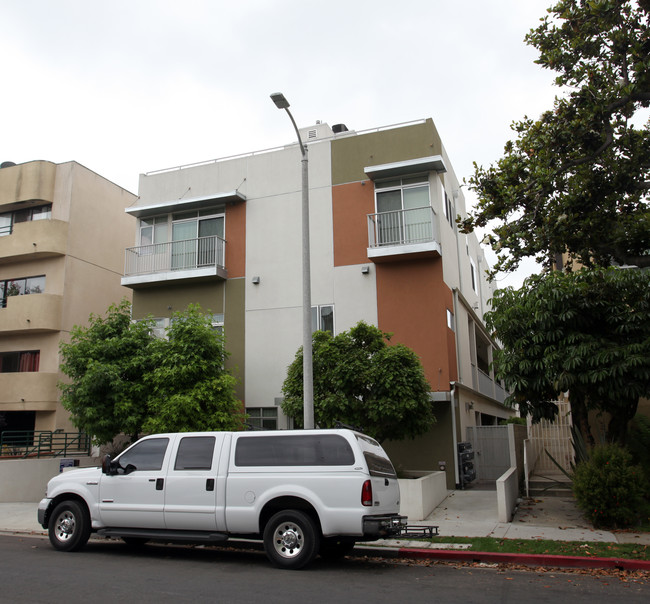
(8, 219)
(217, 322)
(403, 211)
(195, 238)
(322, 318)
(474, 275)
(195, 453)
(263, 418)
(153, 230)
(293, 450)
(20, 287)
(450, 320)
(11, 362)
(160, 328)
(146, 455)
(449, 210)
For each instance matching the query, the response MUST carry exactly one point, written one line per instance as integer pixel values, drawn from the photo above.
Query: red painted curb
(526, 559)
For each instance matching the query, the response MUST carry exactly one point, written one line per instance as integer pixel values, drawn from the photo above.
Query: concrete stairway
(550, 484)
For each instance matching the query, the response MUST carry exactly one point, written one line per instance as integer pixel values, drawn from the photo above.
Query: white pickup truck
(304, 492)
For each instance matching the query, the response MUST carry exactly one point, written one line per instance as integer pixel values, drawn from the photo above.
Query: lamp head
(279, 100)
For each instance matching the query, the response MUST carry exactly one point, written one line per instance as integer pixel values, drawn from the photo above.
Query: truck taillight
(366, 493)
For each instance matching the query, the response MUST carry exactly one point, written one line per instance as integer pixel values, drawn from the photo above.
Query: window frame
(262, 422)
(317, 318)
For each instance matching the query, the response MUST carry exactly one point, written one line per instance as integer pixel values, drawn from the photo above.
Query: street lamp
(307, 366)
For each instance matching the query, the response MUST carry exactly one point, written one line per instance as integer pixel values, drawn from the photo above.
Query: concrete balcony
(488, 387)
(34, 240)
(403, 234)
(32, 181)
(28, 391)
(197, 259)
(32, 313)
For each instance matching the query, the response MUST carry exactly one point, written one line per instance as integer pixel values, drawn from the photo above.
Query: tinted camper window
(294, 450)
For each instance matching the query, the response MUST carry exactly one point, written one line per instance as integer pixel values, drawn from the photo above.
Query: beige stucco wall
(81, 253)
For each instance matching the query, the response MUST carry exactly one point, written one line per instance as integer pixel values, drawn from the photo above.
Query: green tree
(122, 379)
(586, 332)
(575, 181)
(361, 380)
(106, 364)
(189, 388)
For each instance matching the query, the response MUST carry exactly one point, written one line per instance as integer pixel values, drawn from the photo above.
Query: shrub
(608, 488)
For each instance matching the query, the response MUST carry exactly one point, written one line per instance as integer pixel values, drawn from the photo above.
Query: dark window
(263, 418)
(195, 453)
(379, 466)
(19, 361)
(145, 455)
(294, 450)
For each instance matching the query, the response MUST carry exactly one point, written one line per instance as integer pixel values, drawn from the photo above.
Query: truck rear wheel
(291, 539)
(69, 526)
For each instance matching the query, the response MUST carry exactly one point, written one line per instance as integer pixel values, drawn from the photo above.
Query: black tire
(334, 548)
(69, 526)
(135, 542)
(291, 539)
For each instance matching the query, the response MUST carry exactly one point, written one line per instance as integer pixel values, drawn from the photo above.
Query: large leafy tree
(586, 332)
(122, 379)
(576, 180)
(106, 364)
(573, 188)
(189, 388)
(361, 380)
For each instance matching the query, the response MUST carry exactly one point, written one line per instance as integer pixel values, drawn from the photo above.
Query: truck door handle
(159, 484)
(209, 484)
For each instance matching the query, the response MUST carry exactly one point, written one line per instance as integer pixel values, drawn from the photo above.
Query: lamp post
(307, 365)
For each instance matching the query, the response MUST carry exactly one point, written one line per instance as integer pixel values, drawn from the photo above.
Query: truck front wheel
(291, 539)
(69, 526)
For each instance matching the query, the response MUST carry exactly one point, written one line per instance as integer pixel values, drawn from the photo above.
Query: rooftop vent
(338, 128)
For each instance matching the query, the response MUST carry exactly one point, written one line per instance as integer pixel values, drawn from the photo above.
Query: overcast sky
(129, 86)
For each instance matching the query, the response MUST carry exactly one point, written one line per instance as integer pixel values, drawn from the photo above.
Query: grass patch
(628, 551)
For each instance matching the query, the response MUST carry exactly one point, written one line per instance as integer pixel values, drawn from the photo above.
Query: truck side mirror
(106, 465)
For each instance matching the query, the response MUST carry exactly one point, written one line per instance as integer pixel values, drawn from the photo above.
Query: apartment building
(384, 249)
(63, 231)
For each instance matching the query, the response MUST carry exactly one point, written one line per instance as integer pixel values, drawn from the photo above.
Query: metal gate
(492, 451)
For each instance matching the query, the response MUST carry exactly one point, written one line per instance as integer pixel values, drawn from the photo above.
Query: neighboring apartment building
(62, 236)
(384, 249)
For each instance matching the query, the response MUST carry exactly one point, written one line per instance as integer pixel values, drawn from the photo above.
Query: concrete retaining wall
(507, 494)
(420, 495)
(24, 480)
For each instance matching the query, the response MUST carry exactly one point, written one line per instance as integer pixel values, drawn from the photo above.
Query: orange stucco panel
(236, 240)
(351, 203)
(412, 303)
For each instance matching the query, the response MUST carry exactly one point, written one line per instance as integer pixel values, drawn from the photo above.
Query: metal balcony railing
(43, 443)
(188, 254)
(402, 227)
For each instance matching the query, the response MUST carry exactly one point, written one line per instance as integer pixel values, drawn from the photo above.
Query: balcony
(484, 383)
(32, 181)
(202, 258)
(31, 313)
(403, 233)
(34, 240)
(28, 391)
